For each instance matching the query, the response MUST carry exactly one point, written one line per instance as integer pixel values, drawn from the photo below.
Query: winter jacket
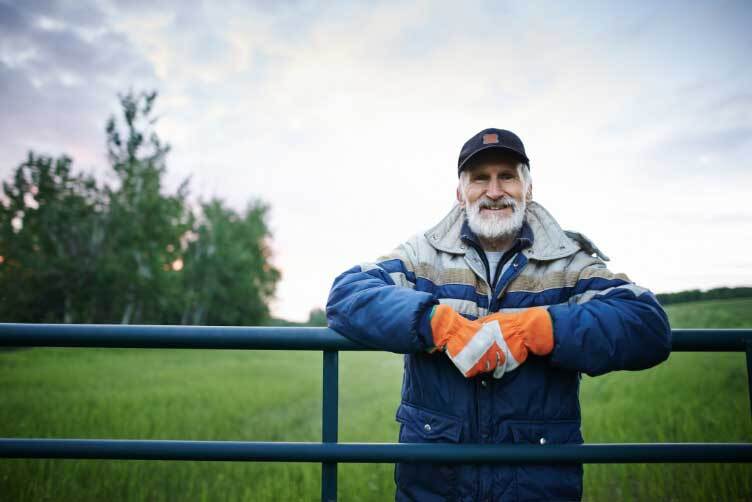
(601, 322)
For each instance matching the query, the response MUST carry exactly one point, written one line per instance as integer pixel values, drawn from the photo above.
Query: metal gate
(330, 452)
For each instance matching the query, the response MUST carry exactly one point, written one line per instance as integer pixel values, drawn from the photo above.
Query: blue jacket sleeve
(376, 304)
(609, 323)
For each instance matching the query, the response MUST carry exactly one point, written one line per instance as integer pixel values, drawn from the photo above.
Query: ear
(459, 197)
(529, 195)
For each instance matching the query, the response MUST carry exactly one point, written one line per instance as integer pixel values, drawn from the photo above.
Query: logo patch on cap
(490, 138)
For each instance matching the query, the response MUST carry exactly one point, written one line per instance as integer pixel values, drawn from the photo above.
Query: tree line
(694, 295)
(74, 250)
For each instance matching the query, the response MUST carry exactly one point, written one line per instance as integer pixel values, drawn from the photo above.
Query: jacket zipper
(518, 266)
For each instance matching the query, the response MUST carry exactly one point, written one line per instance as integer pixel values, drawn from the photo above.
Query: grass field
(276, 396)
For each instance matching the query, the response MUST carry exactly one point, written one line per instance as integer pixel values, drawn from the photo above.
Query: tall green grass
(276, 396)
(692, 397)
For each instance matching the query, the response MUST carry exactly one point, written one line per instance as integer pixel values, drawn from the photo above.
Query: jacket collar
(547, 240)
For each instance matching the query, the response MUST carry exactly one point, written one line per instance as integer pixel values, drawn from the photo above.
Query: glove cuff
(444, 324)
(537, 329)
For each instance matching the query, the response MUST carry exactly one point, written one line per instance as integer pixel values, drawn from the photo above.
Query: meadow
(276, 396)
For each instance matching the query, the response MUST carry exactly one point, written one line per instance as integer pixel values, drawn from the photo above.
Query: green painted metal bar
(710, 340)
(375, 452)
(174, 337)
(330, 422)
(271, 338)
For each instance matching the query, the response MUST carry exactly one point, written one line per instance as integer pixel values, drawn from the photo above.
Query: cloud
(11, 19)
(60, 72)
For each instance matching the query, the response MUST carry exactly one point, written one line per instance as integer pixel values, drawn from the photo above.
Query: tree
(228, 277)
(51, 235)
(144, 226)
(74, 251)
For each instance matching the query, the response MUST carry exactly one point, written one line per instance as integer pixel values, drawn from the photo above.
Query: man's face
(493, 198)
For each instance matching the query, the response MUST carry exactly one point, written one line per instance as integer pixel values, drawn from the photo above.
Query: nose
(494, 190)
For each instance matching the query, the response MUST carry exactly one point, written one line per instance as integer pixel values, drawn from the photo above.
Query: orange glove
(469, 344)
(527, 330)
(497, 342)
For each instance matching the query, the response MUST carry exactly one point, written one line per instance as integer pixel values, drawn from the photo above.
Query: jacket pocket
(548, 481)
(546, 432)
(427, 481)
(427, 426)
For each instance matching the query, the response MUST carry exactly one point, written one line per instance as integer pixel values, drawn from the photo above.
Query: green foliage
(317, 317)
(144, 226)
(52, 232)
(276, 396)
(74, 251)
(228, 279)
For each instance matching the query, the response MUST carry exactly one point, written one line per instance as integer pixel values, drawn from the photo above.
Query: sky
(347, 118)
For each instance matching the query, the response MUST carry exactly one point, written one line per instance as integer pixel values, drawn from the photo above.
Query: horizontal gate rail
(174, 337)
(268, 338)
(329, 452)
(374, 452)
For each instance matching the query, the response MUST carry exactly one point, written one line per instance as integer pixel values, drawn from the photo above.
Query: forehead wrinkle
(489, 168)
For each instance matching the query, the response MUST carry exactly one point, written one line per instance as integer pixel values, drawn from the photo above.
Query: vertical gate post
(329, 424)
(749, 373)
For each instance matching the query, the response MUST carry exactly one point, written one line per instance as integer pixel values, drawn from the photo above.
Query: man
(498, 312)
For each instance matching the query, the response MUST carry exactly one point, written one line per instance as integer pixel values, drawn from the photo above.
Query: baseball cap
(487, 139)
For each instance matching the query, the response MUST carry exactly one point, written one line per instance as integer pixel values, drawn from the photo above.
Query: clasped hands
(498, 342)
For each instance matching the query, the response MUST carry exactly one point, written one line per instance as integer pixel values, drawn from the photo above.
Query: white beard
(494, 226)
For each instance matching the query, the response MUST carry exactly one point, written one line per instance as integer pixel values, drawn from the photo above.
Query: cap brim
(490, 147)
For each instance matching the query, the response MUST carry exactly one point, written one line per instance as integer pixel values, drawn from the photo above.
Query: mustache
(501, 203)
